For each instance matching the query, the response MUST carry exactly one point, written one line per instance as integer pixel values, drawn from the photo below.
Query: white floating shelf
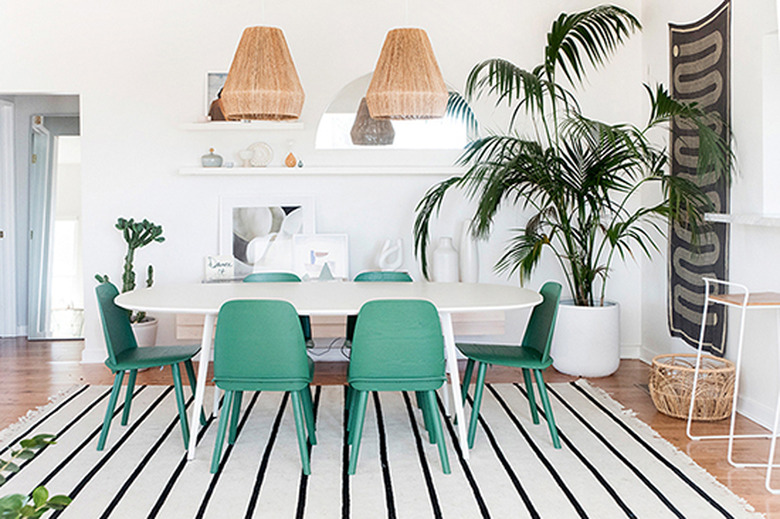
(327, 170)
(245, 126)
(766, 220)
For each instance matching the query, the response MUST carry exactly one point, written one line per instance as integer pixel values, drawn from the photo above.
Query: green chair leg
(235, 413)
(193, 385)
(352, 416)
(308, 411)
(547, 408)
(477, 402)
(464, 389)
(185, 430)
(300, 429)
(223, 424)
(422, 399)
(129, 395)
(531, 398)
(348, 398)
(437, 431)
(360, 413)
(110, 411)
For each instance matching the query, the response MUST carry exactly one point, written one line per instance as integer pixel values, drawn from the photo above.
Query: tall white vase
(468, 256)
(445, 262)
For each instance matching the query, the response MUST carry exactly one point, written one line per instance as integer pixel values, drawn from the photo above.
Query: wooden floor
(33, 371)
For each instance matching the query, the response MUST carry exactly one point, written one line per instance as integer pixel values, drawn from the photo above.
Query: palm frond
(593, 35)
(459, 108)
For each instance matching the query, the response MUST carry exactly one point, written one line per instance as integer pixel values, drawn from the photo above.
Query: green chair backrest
(260, 341)
(383, 275)
(541, 324)
(398, 340)
(271, 277)
(116, 322)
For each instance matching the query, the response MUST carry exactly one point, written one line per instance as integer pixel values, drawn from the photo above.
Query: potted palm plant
(577, 178)
(138, 235)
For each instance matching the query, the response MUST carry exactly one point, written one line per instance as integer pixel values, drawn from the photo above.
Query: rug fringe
(630, 416)
(14, 429)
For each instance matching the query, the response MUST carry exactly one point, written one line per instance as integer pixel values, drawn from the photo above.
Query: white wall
(140, 69)
(754, 250)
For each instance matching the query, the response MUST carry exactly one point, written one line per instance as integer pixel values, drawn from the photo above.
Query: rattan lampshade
(367, 131)
(262, 82)
(407, 82)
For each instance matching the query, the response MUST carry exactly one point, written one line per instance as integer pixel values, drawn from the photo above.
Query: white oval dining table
(334, 298)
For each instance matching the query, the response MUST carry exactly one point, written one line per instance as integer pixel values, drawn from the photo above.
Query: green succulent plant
(136, 235)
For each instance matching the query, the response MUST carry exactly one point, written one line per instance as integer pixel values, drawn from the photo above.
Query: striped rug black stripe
(513, 470)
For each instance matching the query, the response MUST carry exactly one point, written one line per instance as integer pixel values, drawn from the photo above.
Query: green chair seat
(504, 355)
(259, 346)
(267, 383)
(397, 346)
(152, 356)
(532, 355)
(124, 355)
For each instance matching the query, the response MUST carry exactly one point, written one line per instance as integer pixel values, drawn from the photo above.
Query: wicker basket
(671, 381)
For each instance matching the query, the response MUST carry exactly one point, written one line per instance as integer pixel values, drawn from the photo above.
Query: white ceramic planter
(146, 332)
(586, 341)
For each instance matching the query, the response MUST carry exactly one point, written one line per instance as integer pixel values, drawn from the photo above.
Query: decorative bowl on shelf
(261, 154)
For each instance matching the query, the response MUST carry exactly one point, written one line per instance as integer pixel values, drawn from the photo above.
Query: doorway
(55, 284)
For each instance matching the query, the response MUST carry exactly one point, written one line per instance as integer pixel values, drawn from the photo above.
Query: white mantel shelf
(764, 220)
(245, 126)
(433, 171)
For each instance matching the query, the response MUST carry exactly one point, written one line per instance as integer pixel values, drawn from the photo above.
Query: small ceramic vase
(290, 161)
(445, 262)
(211, 159)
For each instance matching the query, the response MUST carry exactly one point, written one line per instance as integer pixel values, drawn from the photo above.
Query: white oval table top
(328, 298)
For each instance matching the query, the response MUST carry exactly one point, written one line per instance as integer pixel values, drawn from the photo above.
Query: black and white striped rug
(611, 465)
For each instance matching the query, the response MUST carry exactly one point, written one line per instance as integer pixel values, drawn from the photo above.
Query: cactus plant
(136, 235)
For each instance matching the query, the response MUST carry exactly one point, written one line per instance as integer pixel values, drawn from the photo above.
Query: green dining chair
(373, 276)
(533, 355)
(398, 346)
(124, 355)
(259, 346)
(284, 277)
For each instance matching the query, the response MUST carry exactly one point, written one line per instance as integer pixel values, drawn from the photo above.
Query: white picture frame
(312, 251)
(257, 230)
(214, 83)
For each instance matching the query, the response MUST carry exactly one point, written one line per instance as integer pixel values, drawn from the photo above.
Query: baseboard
(761, 414)
(630, 351)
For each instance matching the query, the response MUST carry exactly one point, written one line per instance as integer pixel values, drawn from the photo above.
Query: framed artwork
(257, 230)
(214, 83)
(312, 252)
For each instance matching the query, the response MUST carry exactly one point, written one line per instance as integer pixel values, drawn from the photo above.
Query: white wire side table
(739, 297)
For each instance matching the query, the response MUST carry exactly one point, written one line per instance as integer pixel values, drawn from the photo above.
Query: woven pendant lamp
(262, 82)
(407, 82)
(367, 131)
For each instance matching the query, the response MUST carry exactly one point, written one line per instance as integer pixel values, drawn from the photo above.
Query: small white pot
(586, 341)
(146, 332)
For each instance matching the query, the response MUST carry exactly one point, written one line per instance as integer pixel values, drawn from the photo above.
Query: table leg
(452, 367)
(200, 389)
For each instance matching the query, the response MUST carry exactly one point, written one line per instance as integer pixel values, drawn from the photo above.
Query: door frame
(8, 303)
